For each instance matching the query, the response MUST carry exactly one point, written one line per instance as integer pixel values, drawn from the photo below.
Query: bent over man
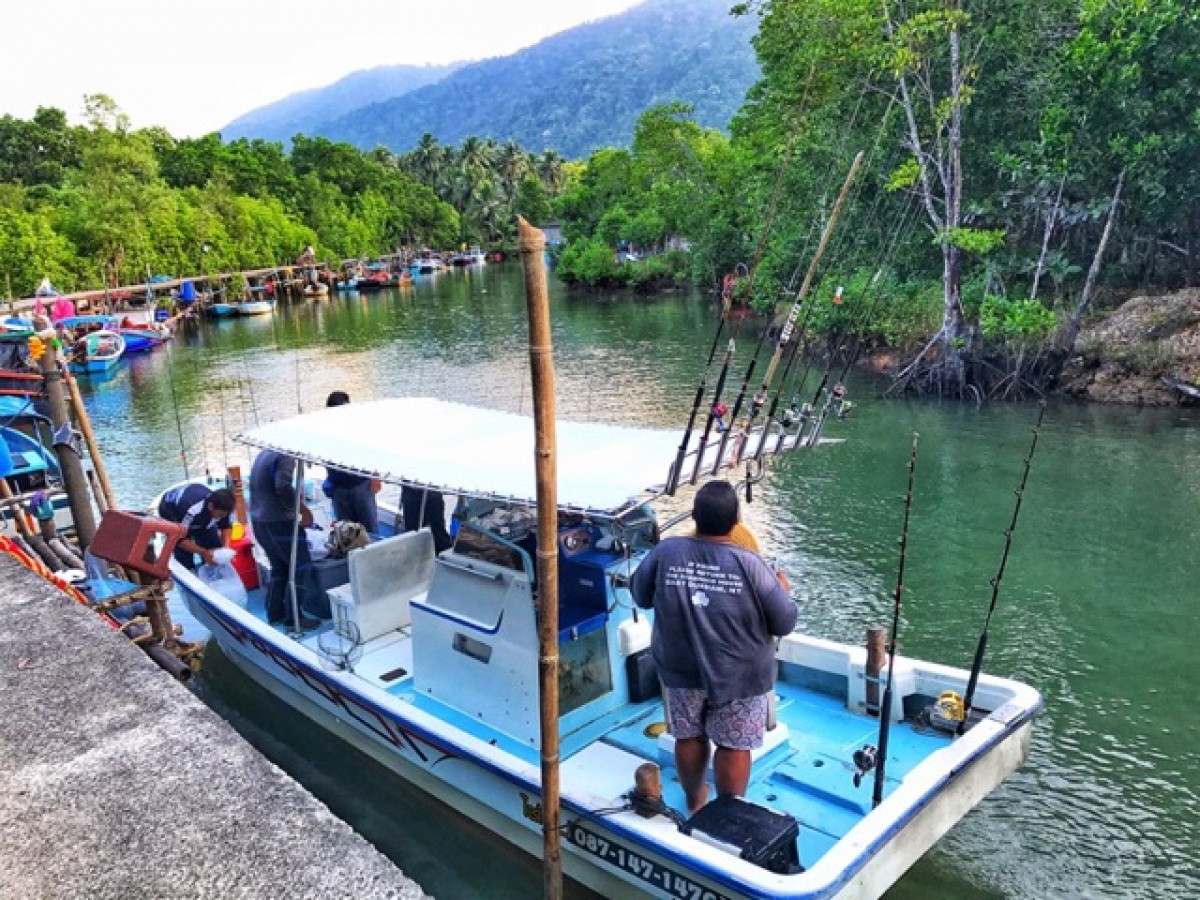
(205, 514)
(717, 608)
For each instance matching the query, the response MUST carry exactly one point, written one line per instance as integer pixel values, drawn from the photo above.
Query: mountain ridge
(308, 109)
(575, 91)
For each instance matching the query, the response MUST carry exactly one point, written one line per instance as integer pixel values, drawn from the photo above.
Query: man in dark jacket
(353, 495)
(205, 513)
(273, 511)
(717, 609)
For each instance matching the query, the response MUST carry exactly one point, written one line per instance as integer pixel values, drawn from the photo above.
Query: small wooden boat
(220, 310)
(97, 352)
(427, 263)
(143, 338)
(1180, 386)
(377, 281)
(254, 307)
(316, 289)
(473, 257)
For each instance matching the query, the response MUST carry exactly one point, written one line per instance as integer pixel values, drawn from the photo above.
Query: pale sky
(192, 66)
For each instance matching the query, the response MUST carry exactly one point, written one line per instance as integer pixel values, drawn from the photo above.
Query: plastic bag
(224, 579)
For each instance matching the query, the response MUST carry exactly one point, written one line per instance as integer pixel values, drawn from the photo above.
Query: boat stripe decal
(415, 733)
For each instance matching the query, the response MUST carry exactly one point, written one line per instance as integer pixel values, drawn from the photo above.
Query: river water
(1099, 606)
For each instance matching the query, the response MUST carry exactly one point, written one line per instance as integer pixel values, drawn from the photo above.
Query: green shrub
(1016, 322)
(591, 261)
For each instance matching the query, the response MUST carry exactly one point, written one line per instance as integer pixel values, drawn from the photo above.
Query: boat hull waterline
(623, 855)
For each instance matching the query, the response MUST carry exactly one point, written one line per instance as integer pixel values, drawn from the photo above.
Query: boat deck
(805, 769)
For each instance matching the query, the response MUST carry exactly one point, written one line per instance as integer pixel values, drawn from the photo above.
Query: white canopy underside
(483, 452)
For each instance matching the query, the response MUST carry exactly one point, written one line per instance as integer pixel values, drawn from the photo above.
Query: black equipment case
(755, 833)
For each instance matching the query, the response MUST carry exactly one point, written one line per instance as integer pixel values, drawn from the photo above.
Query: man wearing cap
(205, 514)
(717, 609)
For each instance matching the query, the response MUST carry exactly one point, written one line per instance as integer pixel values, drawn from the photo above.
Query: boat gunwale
(742, 877)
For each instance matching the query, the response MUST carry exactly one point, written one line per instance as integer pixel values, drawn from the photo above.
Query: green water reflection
(1099, 605)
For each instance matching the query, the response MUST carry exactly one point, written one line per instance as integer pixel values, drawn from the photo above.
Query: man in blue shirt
(353, 495)
(717, 609)
(273, 511)
(205, 513)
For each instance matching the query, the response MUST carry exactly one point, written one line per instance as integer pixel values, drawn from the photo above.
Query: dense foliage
(995, 133)
(579, 90)
(85, 204)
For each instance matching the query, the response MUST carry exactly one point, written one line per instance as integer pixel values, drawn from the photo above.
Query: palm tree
(550, 169)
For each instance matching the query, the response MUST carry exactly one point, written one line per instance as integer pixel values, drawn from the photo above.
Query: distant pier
(117, 782)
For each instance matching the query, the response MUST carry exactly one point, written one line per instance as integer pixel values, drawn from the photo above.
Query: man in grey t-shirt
(717, 608)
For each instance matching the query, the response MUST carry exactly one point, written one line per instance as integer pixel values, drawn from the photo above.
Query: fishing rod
(677, 466)
(981, 648)
(178, 421)
(885, 711)
(838, 393)
(795, 351)
(716, 409)
(789, 325)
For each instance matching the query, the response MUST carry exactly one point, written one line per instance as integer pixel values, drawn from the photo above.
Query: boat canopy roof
(486, 453)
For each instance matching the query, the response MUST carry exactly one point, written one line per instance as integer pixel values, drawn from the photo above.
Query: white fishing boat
(430, 665)
(254, 307)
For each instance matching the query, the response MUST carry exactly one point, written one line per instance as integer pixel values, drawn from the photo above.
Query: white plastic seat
(384, 578)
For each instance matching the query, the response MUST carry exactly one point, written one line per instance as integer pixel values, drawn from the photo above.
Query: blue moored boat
(430, 664)
(96, 352)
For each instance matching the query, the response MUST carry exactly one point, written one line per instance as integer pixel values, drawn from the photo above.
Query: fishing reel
(865, 761)
(719, 412)
(838, 397)
(948, 712)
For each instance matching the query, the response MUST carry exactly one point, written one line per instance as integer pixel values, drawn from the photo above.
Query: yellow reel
(950, 706)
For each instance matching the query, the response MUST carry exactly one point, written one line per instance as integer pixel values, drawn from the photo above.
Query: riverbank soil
(1124, 357)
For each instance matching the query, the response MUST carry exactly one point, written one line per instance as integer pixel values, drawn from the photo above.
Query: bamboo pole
(108, 500)
(69, 462)
(14, 509)
(541, 366)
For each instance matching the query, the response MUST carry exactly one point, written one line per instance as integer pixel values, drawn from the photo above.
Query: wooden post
(239, 495)
(14, 509)
(876, 653)
(69, 462)
(541, 365)
(108, 500)
(160, 617)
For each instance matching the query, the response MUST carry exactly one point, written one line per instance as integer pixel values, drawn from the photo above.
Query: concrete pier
(116, 782)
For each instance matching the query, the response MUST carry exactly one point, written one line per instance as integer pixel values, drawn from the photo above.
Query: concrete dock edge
(117, 782)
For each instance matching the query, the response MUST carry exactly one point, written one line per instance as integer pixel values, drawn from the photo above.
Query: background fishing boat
(143, 338)
(97, 352)
(473, 256)
(260, 307)
(220, 309)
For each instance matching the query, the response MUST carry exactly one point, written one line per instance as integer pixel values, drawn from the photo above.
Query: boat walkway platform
(117, 782)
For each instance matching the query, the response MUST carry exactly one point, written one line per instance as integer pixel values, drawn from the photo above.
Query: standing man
(717, 608)
(273, 520)
(426, 508)
(353, 495)
(205, 514)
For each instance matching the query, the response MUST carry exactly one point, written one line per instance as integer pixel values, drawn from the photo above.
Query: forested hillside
(579, 90)
(85, 205)
(1023, 159)
(303, 112)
